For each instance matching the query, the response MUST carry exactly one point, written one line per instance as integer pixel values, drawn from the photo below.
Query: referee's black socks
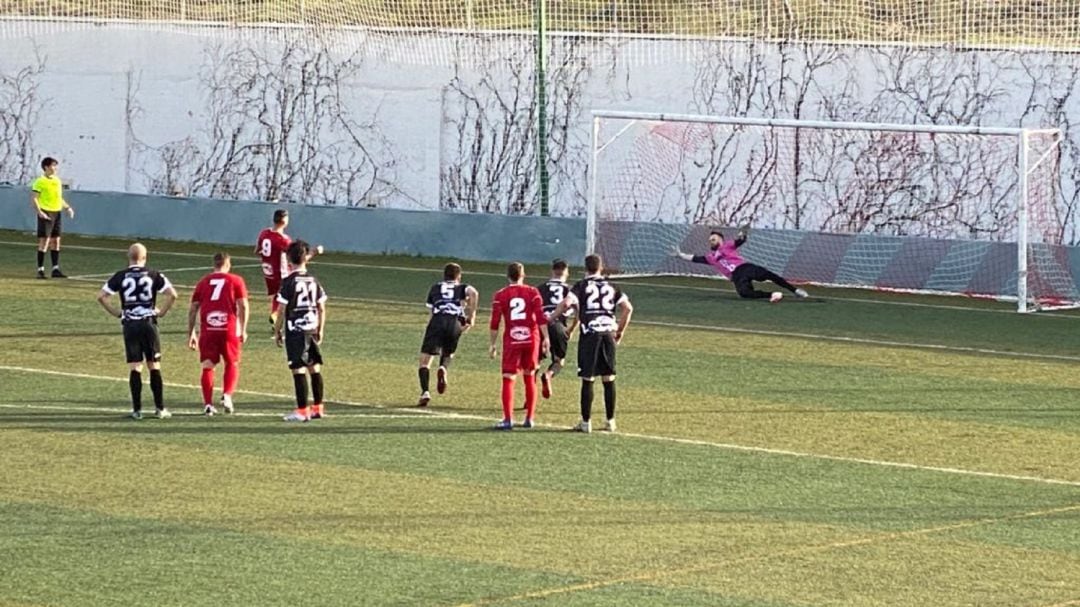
(41, 260)
(55, 255)
(157, 386)
(425, 378)
(135, 382)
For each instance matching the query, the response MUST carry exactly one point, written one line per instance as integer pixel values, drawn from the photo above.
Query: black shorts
(49, 228)
(442, 335)
(301, 350)
(142, 341)
(596, 355)
(559, 338)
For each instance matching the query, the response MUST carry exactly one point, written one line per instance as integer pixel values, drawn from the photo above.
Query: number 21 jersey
(301, 295)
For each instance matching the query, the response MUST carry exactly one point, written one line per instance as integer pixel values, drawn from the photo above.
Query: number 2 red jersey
(271, 246)
(217, 294)
(522, 309)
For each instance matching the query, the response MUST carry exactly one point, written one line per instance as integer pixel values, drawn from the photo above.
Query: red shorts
(216, 345)
(520, 357)
(273, 285)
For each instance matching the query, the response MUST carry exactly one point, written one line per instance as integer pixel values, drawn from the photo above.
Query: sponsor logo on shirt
(217, 320)
(520, 333)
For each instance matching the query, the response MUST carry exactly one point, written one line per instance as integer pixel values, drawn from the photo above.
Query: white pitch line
(648, 437)
(206, 268)
(435, 272)
(120, 411)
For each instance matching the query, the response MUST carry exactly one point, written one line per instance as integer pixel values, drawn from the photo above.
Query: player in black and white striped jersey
(138, 287)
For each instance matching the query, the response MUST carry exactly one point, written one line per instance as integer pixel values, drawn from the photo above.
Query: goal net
(935, 209)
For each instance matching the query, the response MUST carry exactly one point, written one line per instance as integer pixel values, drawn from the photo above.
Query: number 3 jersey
(301, 295)
(217, 294)
(597, 301)
(138, 288)
(523, 310)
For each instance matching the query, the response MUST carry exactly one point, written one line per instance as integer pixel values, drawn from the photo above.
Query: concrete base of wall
(371, 231)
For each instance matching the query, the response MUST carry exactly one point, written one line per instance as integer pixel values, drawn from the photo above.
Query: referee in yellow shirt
(47, 198)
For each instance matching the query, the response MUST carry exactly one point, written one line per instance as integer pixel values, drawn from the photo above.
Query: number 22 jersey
(597, 301)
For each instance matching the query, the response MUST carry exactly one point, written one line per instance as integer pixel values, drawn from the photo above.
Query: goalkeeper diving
(724, 256)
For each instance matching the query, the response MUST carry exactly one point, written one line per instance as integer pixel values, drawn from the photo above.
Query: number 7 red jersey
(217, 294)
(522, 309)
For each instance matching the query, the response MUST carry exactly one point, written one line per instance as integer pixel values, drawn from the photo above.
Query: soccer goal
(915, 208)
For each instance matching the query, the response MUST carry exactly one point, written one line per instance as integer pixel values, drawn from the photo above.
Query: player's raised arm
(676, 252)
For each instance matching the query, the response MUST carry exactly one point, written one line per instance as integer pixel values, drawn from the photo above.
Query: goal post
(961, 210)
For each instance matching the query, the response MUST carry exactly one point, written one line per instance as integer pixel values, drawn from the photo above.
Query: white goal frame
(1024, 302)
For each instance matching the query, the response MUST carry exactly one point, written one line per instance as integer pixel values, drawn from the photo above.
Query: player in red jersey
(220, 303)
(524, 338)
(270, 247)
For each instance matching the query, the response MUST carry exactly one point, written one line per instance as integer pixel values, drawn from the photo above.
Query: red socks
(232, 377)
(207, 386)
(530, 394)
(508, 397)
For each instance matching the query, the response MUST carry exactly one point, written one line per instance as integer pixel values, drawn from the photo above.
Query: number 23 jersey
(301, 295)
(597, 301)
(138, 288)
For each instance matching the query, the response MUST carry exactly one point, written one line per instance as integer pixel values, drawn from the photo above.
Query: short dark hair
(717, 233)
(515, 271)
(280, 215)
(593, 263)
(451, 271)
(220, 258)
(297, 252)
(48, 161)
(558, 264)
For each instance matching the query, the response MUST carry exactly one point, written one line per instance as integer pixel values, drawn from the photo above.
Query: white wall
(412, 90)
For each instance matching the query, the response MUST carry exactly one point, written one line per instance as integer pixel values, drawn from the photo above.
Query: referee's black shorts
(596, 355)
(49, 226)
(142, 342)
